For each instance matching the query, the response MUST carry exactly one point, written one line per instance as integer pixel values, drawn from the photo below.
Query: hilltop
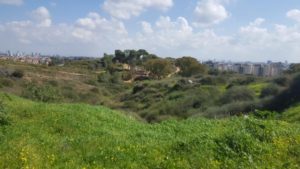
(44, 135)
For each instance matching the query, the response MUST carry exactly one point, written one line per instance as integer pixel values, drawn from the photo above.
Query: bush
(232, 109)
(208, 81)
(53, 83)
(270, 90)
(95, 90)
(4, 120)
(287, 97)
(18, 73)
(104, 77)
(126, 76)
(264, 114)
(282, 81)
(69, 93)
(91, 82)
(116, 78)
(237, 94)
(6, 83)
(44, 93)
(243, 80)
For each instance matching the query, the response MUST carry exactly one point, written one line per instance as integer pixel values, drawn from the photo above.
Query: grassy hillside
(292, 114)
(40, 135)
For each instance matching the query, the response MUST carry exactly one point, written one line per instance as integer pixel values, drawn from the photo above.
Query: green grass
(257, 87)
(41, 135)
(292, 114)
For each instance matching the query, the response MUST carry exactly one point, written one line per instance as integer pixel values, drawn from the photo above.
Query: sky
(223, 30)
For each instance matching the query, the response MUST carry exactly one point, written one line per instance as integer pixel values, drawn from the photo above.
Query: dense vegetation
(43, 135)
(153, 88)
(92, 113)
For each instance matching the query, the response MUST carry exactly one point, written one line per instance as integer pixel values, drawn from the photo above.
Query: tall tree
(190, 66)
(159, 68)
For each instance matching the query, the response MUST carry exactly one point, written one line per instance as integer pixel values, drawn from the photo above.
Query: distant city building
(269, 69)
(22, 57)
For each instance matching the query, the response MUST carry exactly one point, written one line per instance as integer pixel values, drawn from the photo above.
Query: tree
(190, 66)
(287, 97)
(159, 68)
(119, 56)
(107, 60)
(294, 68)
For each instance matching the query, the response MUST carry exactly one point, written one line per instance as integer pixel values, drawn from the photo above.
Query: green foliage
(270, 90)
(132, 57)
(292, 114)
(243, 80)
(232, 109)
(91, 82)
(294, 68)
(82, 136)
(237, 94)
(116, 78)
(107, 60)
(159, 68)
(108, 77)
(287, 97)
(6, 82)
(104, 77)
(44, 93)
(264, 114)
(18, 73)
(190, 66)
(282, 81)
(127, 76)
(4, 119)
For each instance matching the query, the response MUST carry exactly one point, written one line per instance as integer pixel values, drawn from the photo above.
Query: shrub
(91, 82)
(53, 83)
(138, 88)
(126, 76)
(4, 120)
(287, 97)
(264, 114)
(208, 81)
(95, 90)
(44, 93)
(116, 78)
(270, 90)
(232, 109)
(6, 83)
(237, 94)
(18, 73)
(69, 93)
(244, 80)
(104, 77)
(282, 81)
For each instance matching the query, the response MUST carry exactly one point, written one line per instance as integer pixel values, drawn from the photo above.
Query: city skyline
(207, 29)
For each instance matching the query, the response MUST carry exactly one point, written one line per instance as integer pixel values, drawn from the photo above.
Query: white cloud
(42, 16)
(11, 2)
(95, 34)
(294, 14)
(254, 27)
(146, 27)
(87, 36)
(125, 9)
(210, 12)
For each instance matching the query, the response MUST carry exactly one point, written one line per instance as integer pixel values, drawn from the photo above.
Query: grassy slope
(80, 136)
(292, 114)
